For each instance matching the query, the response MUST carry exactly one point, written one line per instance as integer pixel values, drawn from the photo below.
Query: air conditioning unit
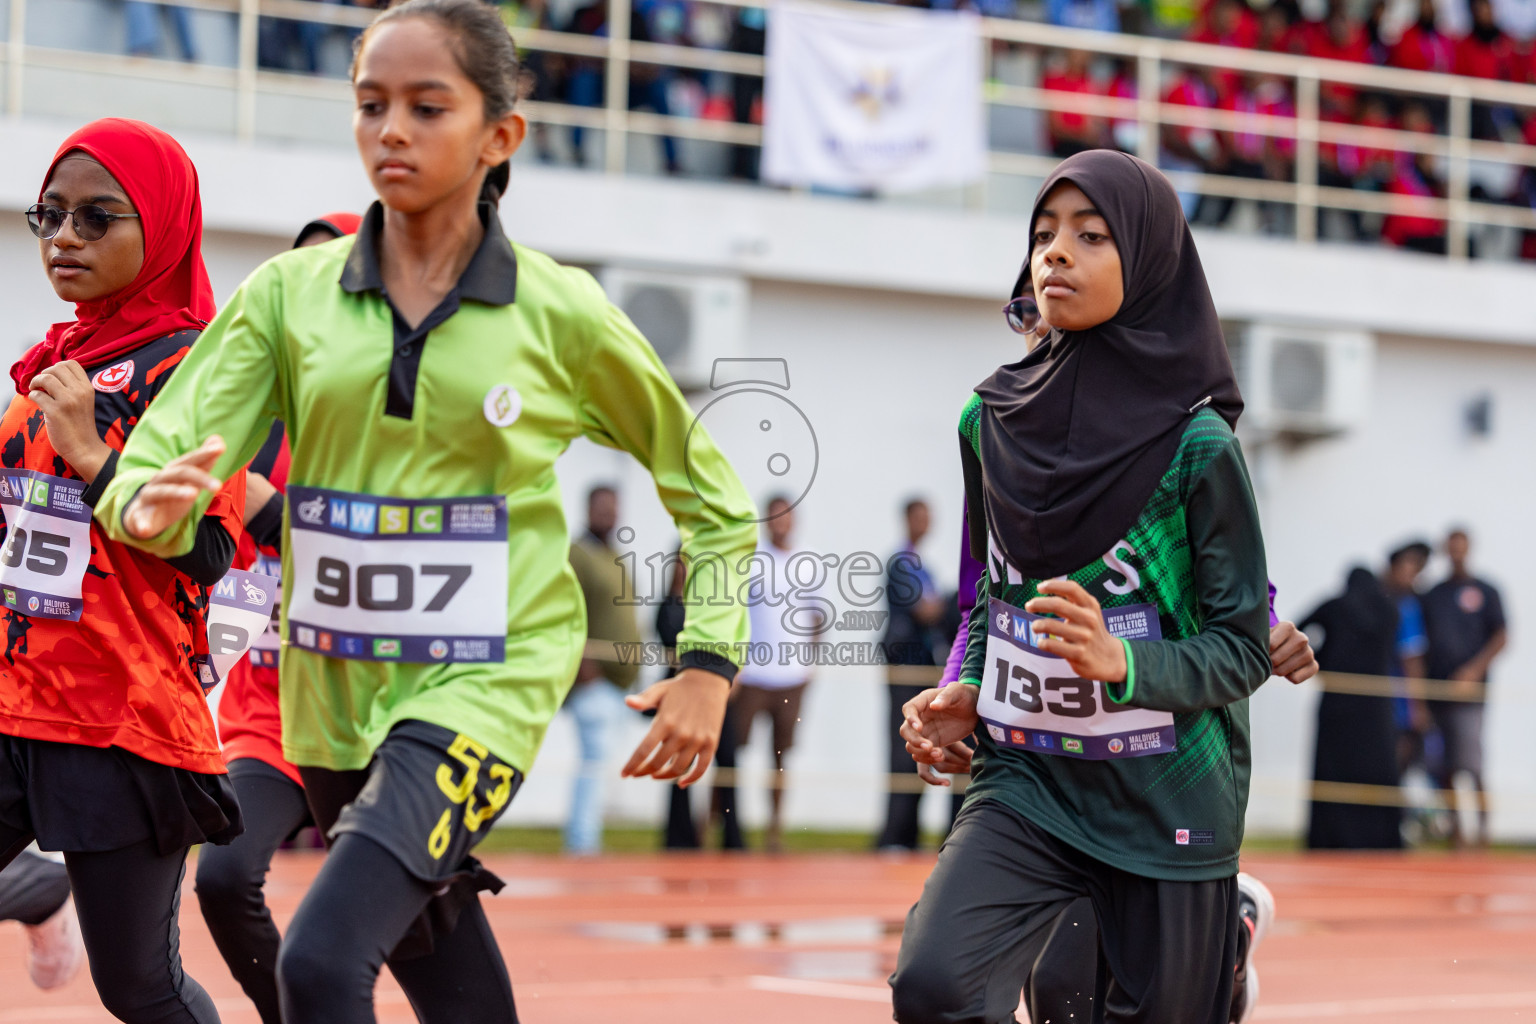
(690, 319)
(1303, 380)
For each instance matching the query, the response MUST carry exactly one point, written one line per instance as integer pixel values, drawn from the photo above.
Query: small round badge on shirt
(115, 377)
(502, 405)
(1470, 599)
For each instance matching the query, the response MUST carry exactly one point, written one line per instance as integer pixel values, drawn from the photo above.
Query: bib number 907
(387, 587)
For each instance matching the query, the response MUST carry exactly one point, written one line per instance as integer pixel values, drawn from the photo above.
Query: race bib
(393, 579)
(1034, 701)
(239, 610)
(47, 544)
(268, 643)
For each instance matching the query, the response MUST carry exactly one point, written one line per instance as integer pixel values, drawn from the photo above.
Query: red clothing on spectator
(1124, 131)
(1354, 48)
(1322, 45)
(1355, 161)
(1244, 34)
(1292, 39)
(1270, 99)
(1423, 49)
(1061, 124)
(1486, 58)
(1407, 180)
(1190, 90)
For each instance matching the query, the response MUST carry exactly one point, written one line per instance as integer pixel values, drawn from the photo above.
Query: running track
(675, 940)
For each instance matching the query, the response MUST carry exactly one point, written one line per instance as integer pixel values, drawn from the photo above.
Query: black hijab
(1359, 628)
(1076, 436)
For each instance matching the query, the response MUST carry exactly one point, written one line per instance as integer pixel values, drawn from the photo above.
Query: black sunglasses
(91, 221)
(1023, 314)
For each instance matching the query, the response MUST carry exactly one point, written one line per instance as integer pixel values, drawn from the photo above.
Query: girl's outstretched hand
(690, 710)
(936, 718)
(1077, 633)
(169, 495)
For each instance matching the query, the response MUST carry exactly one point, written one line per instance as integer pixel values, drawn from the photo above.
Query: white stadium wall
(886, 317)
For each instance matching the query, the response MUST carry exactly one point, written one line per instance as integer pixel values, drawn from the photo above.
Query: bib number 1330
(1034, 701)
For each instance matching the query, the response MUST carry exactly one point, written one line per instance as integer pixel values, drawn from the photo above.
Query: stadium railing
(1153, 58)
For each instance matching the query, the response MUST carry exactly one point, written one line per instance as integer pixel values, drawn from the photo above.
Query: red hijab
(171, 292)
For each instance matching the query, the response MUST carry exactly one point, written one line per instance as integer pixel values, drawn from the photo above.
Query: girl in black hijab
(1120, 625)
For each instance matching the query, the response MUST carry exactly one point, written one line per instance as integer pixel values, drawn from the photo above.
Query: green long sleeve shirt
(441, 443)
(1196, 555)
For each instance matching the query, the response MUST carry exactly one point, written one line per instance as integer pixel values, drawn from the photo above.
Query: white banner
(889, 100)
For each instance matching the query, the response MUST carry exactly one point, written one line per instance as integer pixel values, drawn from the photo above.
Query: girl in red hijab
(230, 878)
(108, 747)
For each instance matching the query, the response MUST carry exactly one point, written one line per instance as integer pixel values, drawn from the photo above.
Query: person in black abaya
(1356, 734)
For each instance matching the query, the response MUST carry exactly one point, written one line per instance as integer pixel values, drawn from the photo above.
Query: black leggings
(127, 901)
(32, 889)
(359, 907)
(230, 879)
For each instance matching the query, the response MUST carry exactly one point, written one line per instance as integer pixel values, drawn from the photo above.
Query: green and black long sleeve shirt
(1197, 555)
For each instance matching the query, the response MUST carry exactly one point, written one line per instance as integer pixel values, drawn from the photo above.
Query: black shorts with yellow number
(430, 797)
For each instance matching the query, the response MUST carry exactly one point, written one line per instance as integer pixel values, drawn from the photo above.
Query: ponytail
(495, 184)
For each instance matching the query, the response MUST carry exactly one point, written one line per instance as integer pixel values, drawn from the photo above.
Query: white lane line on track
(825, 989)
(1395, 1005)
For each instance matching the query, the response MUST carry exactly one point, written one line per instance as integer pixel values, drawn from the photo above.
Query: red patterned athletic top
(249, 722)
(116, 664)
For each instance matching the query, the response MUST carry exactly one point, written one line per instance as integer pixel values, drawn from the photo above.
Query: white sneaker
(1256, 905)
(54, 949)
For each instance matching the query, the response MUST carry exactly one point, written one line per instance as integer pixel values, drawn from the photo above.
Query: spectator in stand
(1124, 132)
(749, 36)
(1347, 165)
(1487, 52)
(1464, 617)
(543, 74)
(143, 23)
(1525, 192)
(1103, 15)
(1069, 132)
(1280, 29)
(287, 44)
(1376, 43)
(647, 83)
(1252, 154)
(1422, 46)
(1187, 148)
(1414, 174)
(1338, 37)
(1228, 23)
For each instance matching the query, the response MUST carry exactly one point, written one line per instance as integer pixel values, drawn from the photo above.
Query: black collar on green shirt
(491, 278)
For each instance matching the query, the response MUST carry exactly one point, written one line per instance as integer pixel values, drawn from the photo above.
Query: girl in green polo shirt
(430, 372)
